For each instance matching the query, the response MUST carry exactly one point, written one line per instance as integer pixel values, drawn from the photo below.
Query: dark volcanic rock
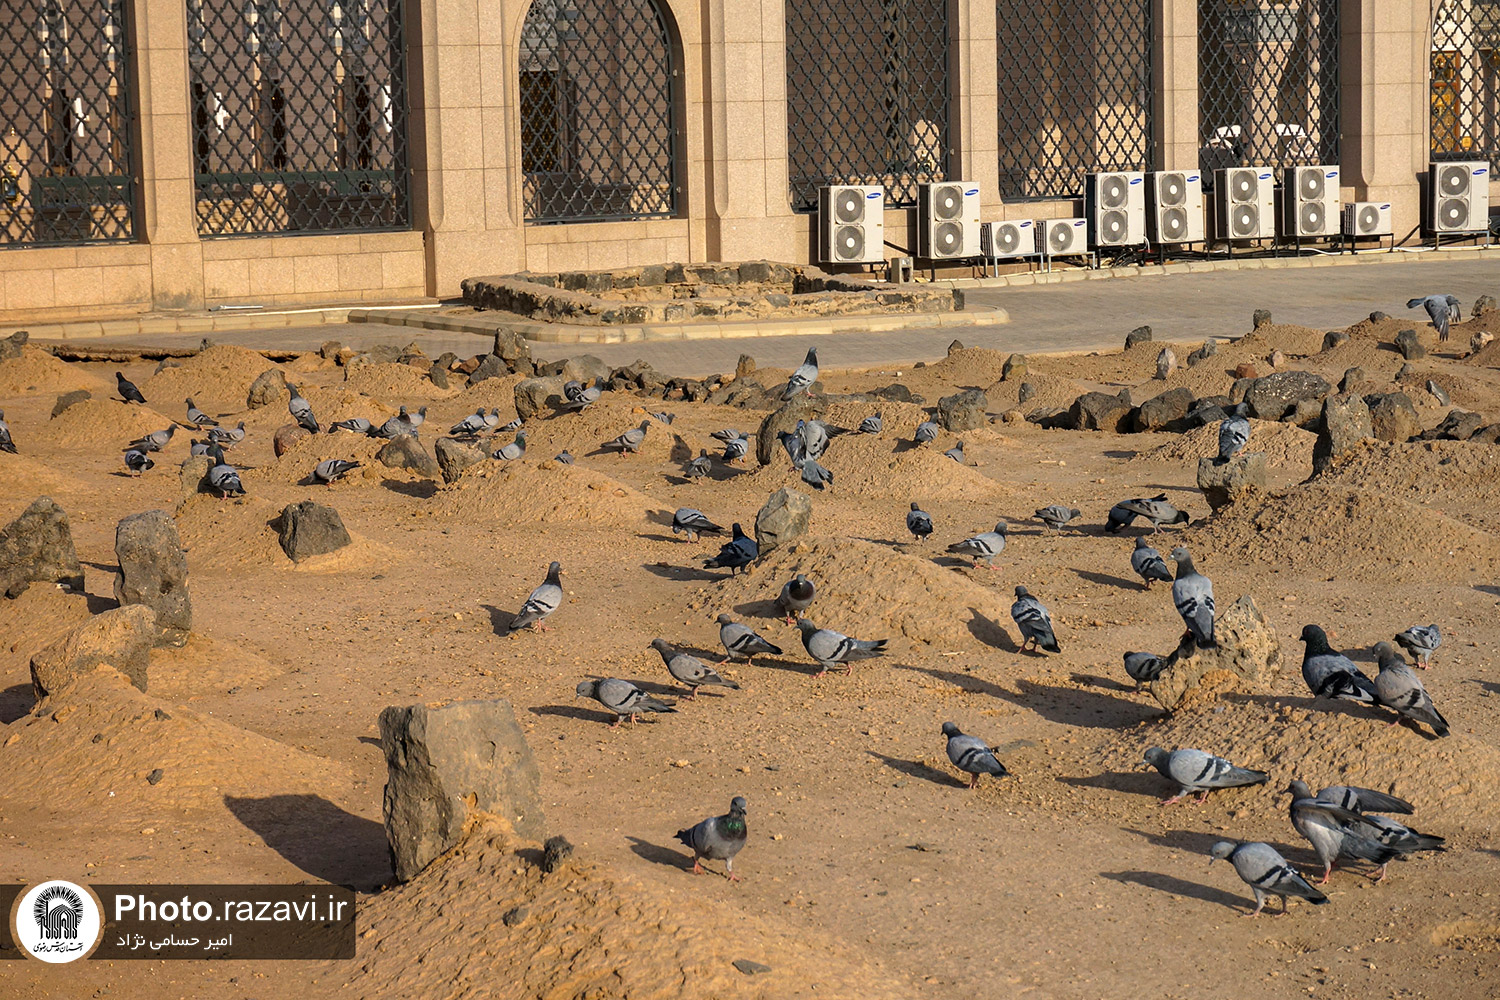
(37, 547)
(309, 529)
(153, 571)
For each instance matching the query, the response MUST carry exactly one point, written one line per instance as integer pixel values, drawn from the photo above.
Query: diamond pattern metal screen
(1075, 93)
(66, 123)
(1268, 83)
(598, 134)
(867, 96)
(1466, 81)
(298, 116)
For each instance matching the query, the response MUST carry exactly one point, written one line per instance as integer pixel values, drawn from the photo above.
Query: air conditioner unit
(1177, 206)
(1013, 238)
(947, 220)
(1246, 198)
(1310, 198)
(1062, 237)
(1459, 196)
(1367, 218)
(1116, 208)
(851, 224)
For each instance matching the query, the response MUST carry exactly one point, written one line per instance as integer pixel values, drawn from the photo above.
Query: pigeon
(919, 523)
(735, 450)
(742, 641)
(1144, 668)
(1166, 361)
(693, 522)
(403, 424)
(830, 648)
(805, 375)
(227, 436)
(1398, 688)
(796, 597)
(514, 450)
(871, 424)
(629, 441)
(926, 431)
(358, 425)
(699, 467)
(972, 755)
(986, 545)
(1400, 838)
(564, 457)
(663, 417)
(1421, 641)
(473, 425)
(1196, 771)
(1441, 309)
(6, 444)
(301, 410)
(791, 442)
(331, 469)
(1266, 872)
(1193, 595)
(814, 435)
(740, 551)
(1234, 434)
(1331, 674)
(1057, 515)
(127, 389)
(137, 461)
(957, 453)
(156, 440)
(544, 600)
(689, 669)
(1330, 830)
(580, 398)
(815, 475)
(492, 421)
(224, 477)
(196, 447)
(622, 698)
(1155, 509)
(1148, 563)
(1034, 621)
(415, 420)
(718, 838)
(727, 435)
(1360, 800)
(197, 417)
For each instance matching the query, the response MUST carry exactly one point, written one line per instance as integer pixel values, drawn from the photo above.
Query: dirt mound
(582, 434)
(1460, 479)
(866, 466)
(972, 367)
(38, 371)
(206, 665)
(30, 623)
(1051, 392)
(531, 490)
(103, 424)
(1487, 357)
(898, 420)
(492, 393)
(1285, 337)
(222, 373)
(1285, 446)
(229, 534)
(603, 936)
(394, 382)
(27, 476)
(296, 465)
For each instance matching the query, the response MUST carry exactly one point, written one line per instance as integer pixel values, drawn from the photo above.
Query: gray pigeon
(1330, 830)
(1144, 668)
(403, 424)
(871, 424)
(1234, 434)
(1329, 673)
(919, 523)
(972, 755)
(227, 436)
(563, 457)
(1398, 688)
(1193, 595)
(957, 453)
(1421, 641)
(1400, 838)
(1156, 510)
(472, 425)
(301, 410)
(927, 430)
(197, 448)
(6, 444)
(736, 449)
(700, 466)
(727, 435)
(741, 641)
(986, 546)
(138, 461)
(815, 475)
(579, 397)
(629, 441)
(358, 425)
(514, 425)
(1196, 771)
(690, 670)
(622, 698)
(1266, 872)
(514, 450)
(693, 522)
(1442, 309)
(156, 440)
(1148, 563)
(492, 420)
(331, 469)
(803, 378)
(739, 552)
(1362, 800)
(223, 477)
(718, 838)
(1057, 515)
(830, 648)
(792, 443)
(814, 435)
(796, 597)
(544, 600)
(1035, 622)
(197, 417)
(663, 417)
(127, 389)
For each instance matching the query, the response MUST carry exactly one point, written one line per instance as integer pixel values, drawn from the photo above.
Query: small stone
(1352, 377)
(1016, 366)
(1026, 392)
(1346, 422)
(438, 374)
(555, 851)
(1272, 397)
(750, 968)
(121, 637)
(153, 571)
(1333, 338)
(37, 547)
(1483, 304)
(190, 476)
(1437, 392)
(406, 452)
(1393, 417)
(160, 716)
(514, 915)
(453, 457)
(155, 778)
(329, 351)
(307, 529)
(269, 387)
(1139, 335)
(963, 411)
(1260, 318)
(1246, 370)
(955, 347)
(1209, 349)
(1377, 316)
(533, 394)
(783, 519)
(490, 366)
(68, 399)
(287, 436)
(1223, 484)
(11, 346)
(1099, 411)
(1410, 347)
(1164, 412)
(745, 366)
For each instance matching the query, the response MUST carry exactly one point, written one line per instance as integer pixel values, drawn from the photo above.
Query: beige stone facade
(732, 181)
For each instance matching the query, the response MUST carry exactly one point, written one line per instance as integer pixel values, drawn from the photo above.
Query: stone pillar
(1174, 81)
(975, 101)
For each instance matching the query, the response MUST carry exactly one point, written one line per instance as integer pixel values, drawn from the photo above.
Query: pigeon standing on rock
(972, 755)
(629, 441)
(815, 475)
(197, 417)
(1234, 434)
(1148, 563)
(1266, 872)
(986, 546)
(544, 600)
(514, 450)
(156, 440)
(690, 670)
(830, 648)
(331, 469)
(739, 552)
(871, 424)
(1035, 622)
(1421, 641)
(803, 378)
(919, 523)
(1057, 515)
(1199, 772)
(718, 838)
(1166, 362)
(137, 461)
(742, 642)
(1329, 673)
(301, 411)
(693, 522)
(1143, 668)
(1442, 309)
(622, 698)
(127, 389)
(796, 597)
(1330, 830)
(223, 477)
(6, 444)
(1193, 595)
(1398, 688)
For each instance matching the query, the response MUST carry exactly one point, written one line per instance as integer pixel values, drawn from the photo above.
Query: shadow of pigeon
(917, 769)
(1174, 886)
(1130, 782)
(573, 712)
(659, 855)
(1109, 579)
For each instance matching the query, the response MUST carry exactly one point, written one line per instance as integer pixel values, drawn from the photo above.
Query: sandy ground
(870, 869)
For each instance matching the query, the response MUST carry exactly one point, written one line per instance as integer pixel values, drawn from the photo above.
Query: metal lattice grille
(299, 116)
(867, 96)
(1268, 83)
(1466, 81)
(597, 135)
(66, 119)
(1075, 93)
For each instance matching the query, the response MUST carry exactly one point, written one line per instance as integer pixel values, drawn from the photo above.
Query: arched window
(1075, 93)
(866, 96)
(1268, 83)
(598, 133)
(1465, 117)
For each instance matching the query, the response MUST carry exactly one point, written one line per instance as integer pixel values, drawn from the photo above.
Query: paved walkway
(1075, 316)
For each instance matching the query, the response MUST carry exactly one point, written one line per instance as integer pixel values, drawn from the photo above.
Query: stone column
(974, 111)
(1174, 81)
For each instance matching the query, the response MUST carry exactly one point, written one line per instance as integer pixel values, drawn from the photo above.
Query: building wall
(467, 190)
